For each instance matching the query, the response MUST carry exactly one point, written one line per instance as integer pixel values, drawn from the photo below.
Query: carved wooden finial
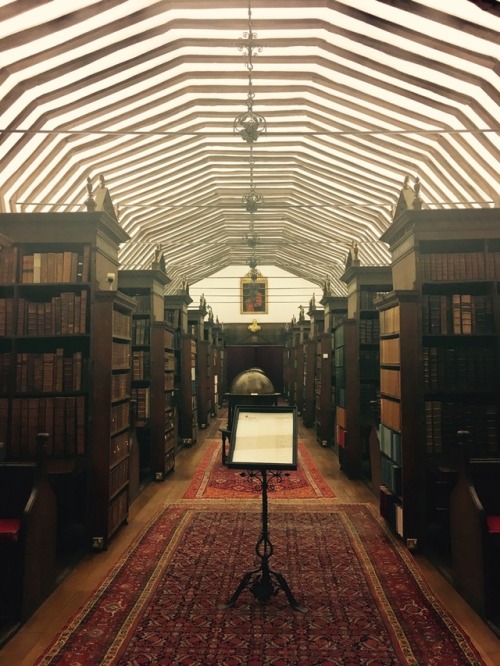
(90, 203)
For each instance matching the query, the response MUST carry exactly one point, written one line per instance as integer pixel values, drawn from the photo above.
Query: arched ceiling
(356, 94)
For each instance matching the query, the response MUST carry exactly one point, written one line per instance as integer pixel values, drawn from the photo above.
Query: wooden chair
(27, 537)
(475, 533)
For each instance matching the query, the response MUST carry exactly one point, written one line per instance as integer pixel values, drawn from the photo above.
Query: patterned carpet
(366, 603)
(213, 480)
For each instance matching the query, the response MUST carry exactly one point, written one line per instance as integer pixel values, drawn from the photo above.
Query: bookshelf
(185, 374)
(188, 416)
(219, 362)
(316, 328)
(299, 347)
(357, 366)
(287, 360)
(439, 362)
(109, 431)
(204, 378)
(58, 301)
(335, 309)
(153, 371)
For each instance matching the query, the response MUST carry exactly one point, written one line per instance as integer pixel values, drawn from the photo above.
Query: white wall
(286, 293)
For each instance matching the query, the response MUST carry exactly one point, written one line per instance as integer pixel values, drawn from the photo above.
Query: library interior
(284, 204)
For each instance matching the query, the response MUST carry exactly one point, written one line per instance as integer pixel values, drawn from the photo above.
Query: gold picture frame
(253, 295)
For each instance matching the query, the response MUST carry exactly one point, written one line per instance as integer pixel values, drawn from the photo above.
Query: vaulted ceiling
(356, 95)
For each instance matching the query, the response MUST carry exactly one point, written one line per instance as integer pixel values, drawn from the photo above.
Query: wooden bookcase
(357, 366)
(188, 412)
(323, 389)
(65, 367)
(109, 415)
(219, 366)
(316, 328)
(439, 361)
(299, 356)
(335, 309)
(153, 371)
(185, 378)
(197, 324)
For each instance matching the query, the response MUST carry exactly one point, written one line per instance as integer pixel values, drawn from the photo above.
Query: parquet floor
(34, 637)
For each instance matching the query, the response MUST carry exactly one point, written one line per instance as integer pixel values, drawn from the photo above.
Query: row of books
(120, 416)
(143, 303)
(367, 299)
(390, 443)
(457, 314)
(122, 325)
(369, 363)
(65, 314)
(64, 418)
(455, 266)
(51, 267)
(390, 413)
(390, 382)
(118, 477)
(460, 265)
(6, 316)
(8, 264)
(444, 419)
(120, 386)
(390, 321)
(170, 362)
(120, 447)
(142, 396)
(120, 356)
(390, 353)
(141, 365)
(168, 339)
(459, 368)
(369, 330)
(391, 475)
(50, 372)
(169, 382)
(117, 511)
(141, 327)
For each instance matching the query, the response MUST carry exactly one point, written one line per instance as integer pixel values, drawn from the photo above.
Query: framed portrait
(253, 295)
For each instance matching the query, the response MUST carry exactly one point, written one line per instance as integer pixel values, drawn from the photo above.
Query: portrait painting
(253, 295)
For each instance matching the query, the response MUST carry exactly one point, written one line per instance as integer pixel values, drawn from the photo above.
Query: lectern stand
(264, 443)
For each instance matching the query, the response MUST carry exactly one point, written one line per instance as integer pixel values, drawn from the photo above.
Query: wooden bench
(475, 533)
(27, 537)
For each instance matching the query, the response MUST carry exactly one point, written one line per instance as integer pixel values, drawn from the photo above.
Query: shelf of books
(51, 281)
(111, 338)
(309, 353)
(188, 407)
(347, 411)
(219, 373)
(164, 426)
(205, 382)
(439, 361)
(323, 381)
(153, 364)
(335, 308)
(316, 328)
(360, 353)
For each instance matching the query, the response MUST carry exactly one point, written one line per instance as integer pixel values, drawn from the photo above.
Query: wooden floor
(34, 637)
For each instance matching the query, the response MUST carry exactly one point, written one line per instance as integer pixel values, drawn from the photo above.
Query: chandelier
(250, 127)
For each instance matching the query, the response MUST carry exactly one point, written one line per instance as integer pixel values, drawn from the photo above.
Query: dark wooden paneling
(267, 358)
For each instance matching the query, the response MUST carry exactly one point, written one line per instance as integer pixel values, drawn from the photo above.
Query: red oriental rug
(213, 480)
(366, 602)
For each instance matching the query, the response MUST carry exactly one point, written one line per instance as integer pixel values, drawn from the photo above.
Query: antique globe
(251, 382)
